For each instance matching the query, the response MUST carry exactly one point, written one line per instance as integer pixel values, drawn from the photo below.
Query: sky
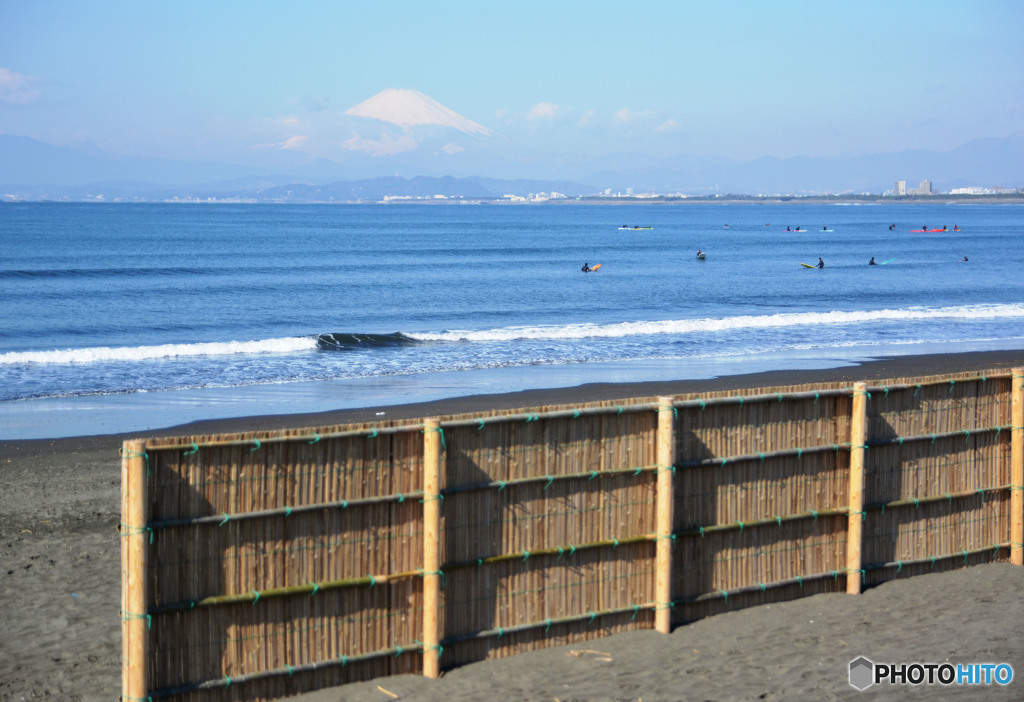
(244, 82)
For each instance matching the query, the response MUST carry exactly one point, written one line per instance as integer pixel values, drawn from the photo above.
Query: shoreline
(878, 368)
(60, 584)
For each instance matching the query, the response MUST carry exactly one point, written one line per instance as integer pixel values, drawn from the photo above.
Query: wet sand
(60, 560)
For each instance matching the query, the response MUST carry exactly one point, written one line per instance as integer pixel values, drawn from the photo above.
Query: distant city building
(901, 187)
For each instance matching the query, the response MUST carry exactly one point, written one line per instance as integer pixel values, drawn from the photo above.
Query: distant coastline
(730, 199)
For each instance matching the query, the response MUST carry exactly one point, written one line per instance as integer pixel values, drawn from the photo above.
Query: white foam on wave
(712, 324)
(148, 353)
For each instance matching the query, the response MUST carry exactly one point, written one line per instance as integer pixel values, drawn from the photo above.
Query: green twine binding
(725, 595)
(982, 493)
(616, 544)
(344, 660)
(257, 596)
(741, 525)
(952, 384)
(256, 445)
(526, 554)
(195, 450)
(372, 434)
(291, 670)
(638, 471)
(918, 389)
(126, 616)
(899, 567)
(439, 430)
(665, 408)
(501, 632)
(228, 679)
(778, 520)
(315, 439)
(287, 512)
(636, 611)
(593, 616)
(226, 518)
(763, 586)
(373, 580)
(398, 650)
(593, 474)
(966, 554)
(800, 580)
(501, 485)
(316, 588)
(481, 426)
(548, 483)
(548, 627)
(575, 414)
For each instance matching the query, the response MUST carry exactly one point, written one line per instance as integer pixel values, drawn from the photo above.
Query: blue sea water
(118, 317)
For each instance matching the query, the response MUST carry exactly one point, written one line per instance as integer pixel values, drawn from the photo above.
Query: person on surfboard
(586, 268)
(821, 264)
(872, 262)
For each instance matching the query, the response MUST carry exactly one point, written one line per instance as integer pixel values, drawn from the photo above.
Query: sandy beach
(59, 587)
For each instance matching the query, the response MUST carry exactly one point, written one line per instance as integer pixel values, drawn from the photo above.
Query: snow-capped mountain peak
(411, 107)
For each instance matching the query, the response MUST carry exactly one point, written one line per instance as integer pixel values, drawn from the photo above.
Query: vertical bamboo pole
(858, 435)
(431, 547)
(1017, 468)
(665, 458)
(134, 620)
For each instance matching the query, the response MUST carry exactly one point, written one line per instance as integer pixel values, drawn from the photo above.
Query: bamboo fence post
(431, 547)
(665, 458)
(1017, 467)
(855, 523)
(134, 617)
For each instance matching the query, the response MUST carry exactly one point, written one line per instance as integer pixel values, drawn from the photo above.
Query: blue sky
(239, 81)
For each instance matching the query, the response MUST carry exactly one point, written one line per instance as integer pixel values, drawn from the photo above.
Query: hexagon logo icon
(862, 673)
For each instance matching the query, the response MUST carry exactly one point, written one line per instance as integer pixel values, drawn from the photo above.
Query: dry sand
(59, 589)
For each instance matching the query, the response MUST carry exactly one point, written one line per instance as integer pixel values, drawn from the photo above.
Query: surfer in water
(872, 262)
(586, 268)
(892, 227)
(700, 254)
(821, 264)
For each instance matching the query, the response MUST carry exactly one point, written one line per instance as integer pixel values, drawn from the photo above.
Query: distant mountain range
(34, 170)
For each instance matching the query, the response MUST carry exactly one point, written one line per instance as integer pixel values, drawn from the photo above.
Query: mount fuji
(407, 108)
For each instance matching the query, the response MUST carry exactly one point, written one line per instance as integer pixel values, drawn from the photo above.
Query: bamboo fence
(255, 567)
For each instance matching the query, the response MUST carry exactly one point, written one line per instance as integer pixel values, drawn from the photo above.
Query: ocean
(123, 317)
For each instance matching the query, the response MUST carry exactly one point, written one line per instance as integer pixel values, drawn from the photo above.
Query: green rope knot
(763, 587)
(481, 425)
(226, 518)
(401, 497)
(291, 671)
(741, 525)
(899, 567)
(638, 471)
(548, 483)
(665, 408)
(952, 383)
(526, 554)
(918, 389)
(702, 532)
(814, 513)
(725, 595)
(287, 512)
(981, 492)
(800, 580)
(548, 627)
(316, 588)
(575, 414)
(439, 430)
(501, 632)
(228, 683)
(315, 439)
(532, 418)
(255, 445)
(886, 391)
(126, 616)
(373, 580)
(778, 520)
(966, 554)
(593, 616)
(372, 434)
(256, 596)
(501, 485)
(703, 406)
(398, 650)
(193, 451)
(615, 545)
(593, 474)
(621, 410)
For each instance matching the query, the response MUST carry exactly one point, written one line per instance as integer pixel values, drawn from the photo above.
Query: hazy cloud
(543, 110)
(387, 146)
(586, 119)
(452, 149)
(669, 125)
(17, 89)
(628, 116)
